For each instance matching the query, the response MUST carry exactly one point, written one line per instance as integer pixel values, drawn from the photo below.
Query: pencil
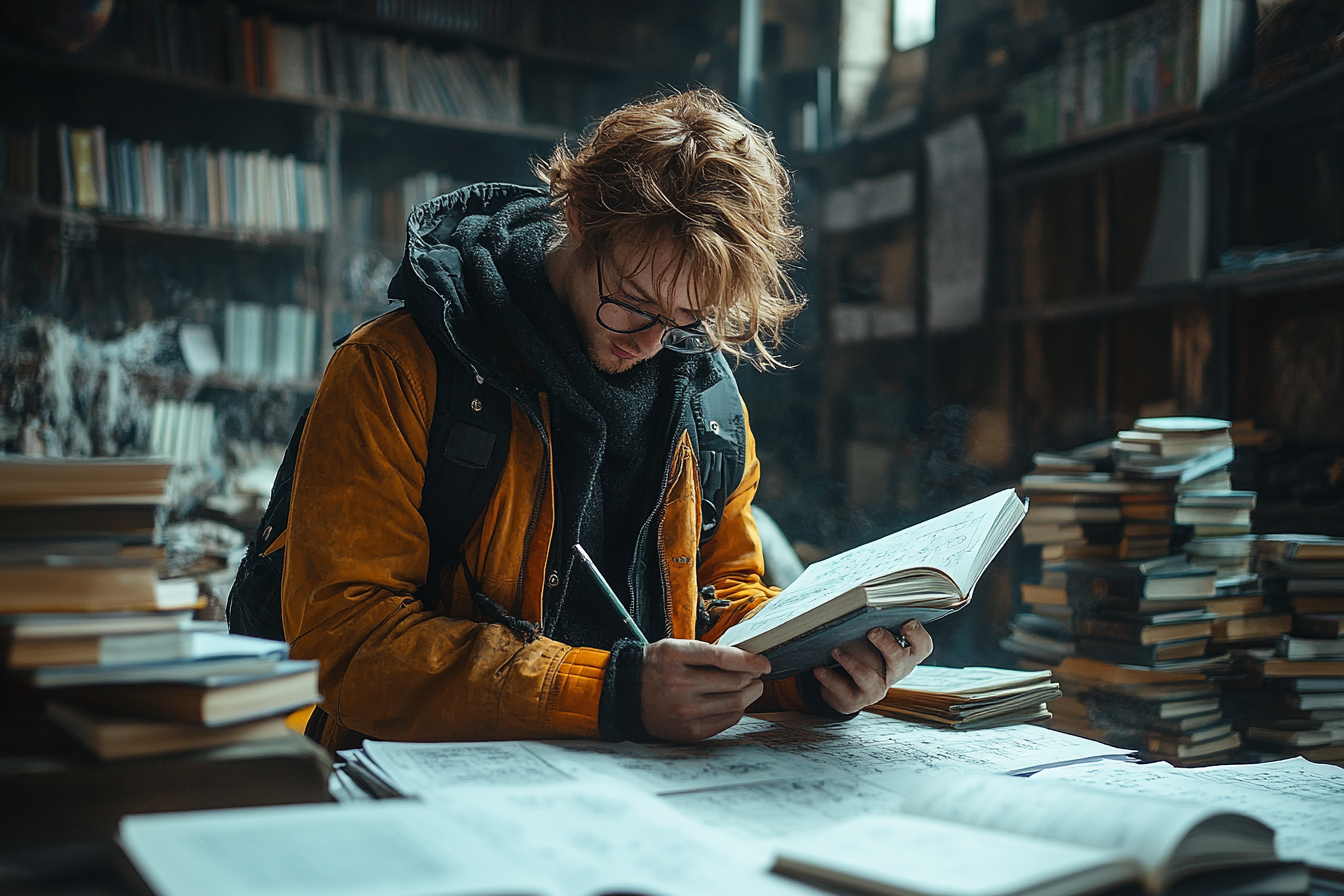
(611, 595)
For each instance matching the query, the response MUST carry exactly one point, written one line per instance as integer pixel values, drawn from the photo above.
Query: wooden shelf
(1263, 281)
(1093, 150)
(317, 11)
(19, 206)
(10, 53)
(1098, 306)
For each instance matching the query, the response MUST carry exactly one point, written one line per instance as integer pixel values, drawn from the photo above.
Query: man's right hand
(690, 690)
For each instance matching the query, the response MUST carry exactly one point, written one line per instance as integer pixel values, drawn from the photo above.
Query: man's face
(650, 289)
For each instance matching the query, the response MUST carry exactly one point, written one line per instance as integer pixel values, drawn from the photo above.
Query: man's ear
(572, 225)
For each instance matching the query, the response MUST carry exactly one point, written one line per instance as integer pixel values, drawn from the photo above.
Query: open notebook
(924, 572)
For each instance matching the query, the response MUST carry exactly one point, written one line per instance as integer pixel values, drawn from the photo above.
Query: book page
(920, 855)
(1302, 801)
(673, 768)
(1148, 829)
(947, 543)
(416, 769)
(870, 743)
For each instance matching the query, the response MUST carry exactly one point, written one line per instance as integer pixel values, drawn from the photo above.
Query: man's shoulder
(396, 335)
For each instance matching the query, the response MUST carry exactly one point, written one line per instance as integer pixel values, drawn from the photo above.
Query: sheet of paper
(673, 768)
(920, 855)
(958, 228)
(1302, 802)
(946, 542)
(603, 836)
(571, 839)
(870, 743)
(416, 769)
(391, 848)
(781, 808)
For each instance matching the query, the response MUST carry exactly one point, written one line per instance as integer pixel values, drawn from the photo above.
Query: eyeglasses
(617, 316)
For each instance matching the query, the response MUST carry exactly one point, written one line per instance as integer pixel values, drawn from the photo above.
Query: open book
(972, 835)
(923, 573)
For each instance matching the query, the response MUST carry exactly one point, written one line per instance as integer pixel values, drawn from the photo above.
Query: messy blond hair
(688, 170)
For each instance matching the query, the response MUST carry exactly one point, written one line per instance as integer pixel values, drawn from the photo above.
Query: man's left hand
(874, 664)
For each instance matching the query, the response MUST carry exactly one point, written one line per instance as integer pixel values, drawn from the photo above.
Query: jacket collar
(431, 285)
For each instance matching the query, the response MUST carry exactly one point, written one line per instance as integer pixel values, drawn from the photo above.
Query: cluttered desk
(162, 763)
(777, 804)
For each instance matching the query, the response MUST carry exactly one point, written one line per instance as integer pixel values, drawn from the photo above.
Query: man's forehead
(659, 275)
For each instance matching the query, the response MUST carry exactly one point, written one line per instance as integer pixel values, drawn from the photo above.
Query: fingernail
(910, 626)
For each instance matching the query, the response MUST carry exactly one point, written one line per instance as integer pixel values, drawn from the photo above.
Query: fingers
(866, 667)
(873, 665)
(731, 659)
(920, 640)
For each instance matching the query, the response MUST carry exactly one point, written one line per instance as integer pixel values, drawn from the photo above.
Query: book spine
(65, 166)
(100, 168)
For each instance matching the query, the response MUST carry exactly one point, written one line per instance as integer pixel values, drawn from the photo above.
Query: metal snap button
(553, 579)
(476, 404)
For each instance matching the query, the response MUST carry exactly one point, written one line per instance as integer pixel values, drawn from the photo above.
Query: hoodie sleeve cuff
(810, 690)
(620, 713)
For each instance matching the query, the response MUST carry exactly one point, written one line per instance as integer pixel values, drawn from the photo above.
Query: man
(597, 310)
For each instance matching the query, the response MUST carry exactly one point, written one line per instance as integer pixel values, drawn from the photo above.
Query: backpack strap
(720, 437)
(253, 606)
(468, 443)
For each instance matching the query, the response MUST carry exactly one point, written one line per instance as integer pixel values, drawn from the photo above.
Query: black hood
(432, 281)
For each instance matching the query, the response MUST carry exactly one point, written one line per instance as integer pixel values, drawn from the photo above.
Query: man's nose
(650, 340)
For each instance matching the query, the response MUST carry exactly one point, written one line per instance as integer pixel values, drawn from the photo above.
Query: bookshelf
(1072, 343)
(104, 277)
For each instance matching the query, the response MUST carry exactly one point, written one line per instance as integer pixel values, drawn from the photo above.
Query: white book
(924, 572)
(289, 46)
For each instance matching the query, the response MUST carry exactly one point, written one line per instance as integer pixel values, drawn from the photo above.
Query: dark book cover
(1129, 654)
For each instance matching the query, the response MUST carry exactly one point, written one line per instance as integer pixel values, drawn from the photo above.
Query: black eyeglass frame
(671, 329)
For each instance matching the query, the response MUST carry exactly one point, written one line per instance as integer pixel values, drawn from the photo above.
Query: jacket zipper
(660, 513)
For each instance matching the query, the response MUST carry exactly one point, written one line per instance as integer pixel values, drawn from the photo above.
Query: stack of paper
(968, 698)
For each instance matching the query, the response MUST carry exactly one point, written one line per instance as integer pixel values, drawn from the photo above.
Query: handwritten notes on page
(1302, 801)
(934, 551)
(551, 840)
(674, 768)
(415, 769)
(870, 743)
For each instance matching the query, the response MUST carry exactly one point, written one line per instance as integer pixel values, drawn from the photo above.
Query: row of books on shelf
(381, 214)
(270, 343)
(115, 653)
(1163, 58)
(484, 17)
(315, 60)
(188, 186)
(1171, 628)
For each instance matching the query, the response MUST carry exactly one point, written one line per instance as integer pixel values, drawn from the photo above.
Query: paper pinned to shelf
(958, 234)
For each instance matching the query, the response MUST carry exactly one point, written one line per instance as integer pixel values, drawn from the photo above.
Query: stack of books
(1290, 698)
(1172, 713)
(969, 698)
(114, 652)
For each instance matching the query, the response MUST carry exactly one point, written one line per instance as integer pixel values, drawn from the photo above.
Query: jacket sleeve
(357, 551)
(734, 563)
